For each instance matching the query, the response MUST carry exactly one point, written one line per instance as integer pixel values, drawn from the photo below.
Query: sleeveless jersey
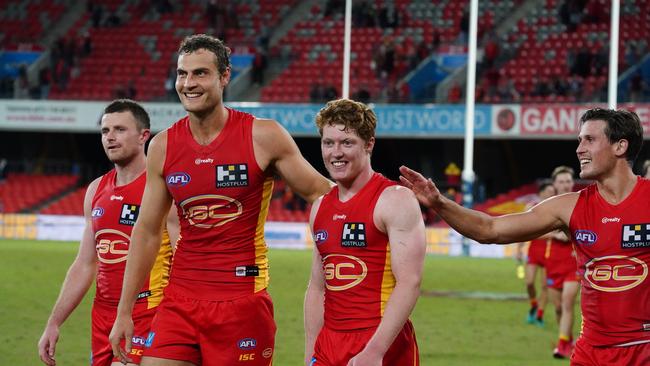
(222, 197)
(613, 252)
(114, 211)
(356, 258)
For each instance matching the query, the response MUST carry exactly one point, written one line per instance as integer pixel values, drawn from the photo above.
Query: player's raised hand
(122, 329)
(47, 345)
(425, 190)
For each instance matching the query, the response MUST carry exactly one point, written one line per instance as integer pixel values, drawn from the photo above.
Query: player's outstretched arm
(274, 146)
(77, 281)
(314, 297)
(145, 244)
(407, 249)
(551, 214)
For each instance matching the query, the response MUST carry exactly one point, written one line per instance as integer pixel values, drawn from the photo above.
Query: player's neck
(127, 173)
(206, 127)
(347, 190)
(617, 186)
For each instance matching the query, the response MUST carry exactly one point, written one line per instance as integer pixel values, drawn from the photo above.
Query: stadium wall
(440, 241)
(503, 121)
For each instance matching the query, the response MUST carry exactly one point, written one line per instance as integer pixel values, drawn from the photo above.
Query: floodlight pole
(612, 89)
(468, 166)
(345, 89)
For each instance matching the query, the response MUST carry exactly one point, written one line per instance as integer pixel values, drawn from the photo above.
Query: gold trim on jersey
(388, 281)
(159, 275)
(261, 250)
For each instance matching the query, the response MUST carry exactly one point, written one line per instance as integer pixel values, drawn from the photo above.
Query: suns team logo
(112, 246)
(343, 272)
(615, 273)
(211, 210)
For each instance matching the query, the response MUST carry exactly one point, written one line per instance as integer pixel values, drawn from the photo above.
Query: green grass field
(451, 331)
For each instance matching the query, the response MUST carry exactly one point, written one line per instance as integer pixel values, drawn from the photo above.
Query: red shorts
(586, 355)
(103, 317)
(561, 265)
(214, 333)
(337, 348)
(537, 252)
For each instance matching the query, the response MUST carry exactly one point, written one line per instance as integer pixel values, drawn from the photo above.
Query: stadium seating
(317, 47)
(16, 27)
(544, 49)
(70, 204)
(141, 49)
(23, 191)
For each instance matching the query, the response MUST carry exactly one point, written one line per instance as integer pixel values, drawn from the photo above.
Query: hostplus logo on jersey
(636, 236)
(232, 175)
(354, 235)
(129, 214)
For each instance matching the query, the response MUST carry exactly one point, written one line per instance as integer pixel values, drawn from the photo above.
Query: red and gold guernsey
(114, 212)
(613, 252)
(356, 258)
(222, 197)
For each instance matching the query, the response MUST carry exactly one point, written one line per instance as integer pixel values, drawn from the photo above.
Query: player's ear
(370, 145)
(620, 147)
(145, 134)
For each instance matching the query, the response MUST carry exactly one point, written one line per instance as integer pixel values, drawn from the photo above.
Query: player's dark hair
(127, 105)
(355, 116)
(621, 125)
(544, 184)
(216, 46)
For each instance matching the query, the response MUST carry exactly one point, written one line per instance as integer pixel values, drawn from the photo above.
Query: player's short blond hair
(561, 170)
(354, 116)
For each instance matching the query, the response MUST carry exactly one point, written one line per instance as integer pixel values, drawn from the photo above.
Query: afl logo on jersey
(210, 210)
(112, 246)
(320, 236)
(178, 179)
(585, 237)
(97, 212)
(615, 273)
(343, 272)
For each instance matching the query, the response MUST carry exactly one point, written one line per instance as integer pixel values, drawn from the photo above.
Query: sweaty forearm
(76, 284)
(313, 319)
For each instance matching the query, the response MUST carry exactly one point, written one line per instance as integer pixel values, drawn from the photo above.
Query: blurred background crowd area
(403, 51)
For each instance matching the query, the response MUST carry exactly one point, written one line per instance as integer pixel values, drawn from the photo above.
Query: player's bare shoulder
(396, 203)
(560, 206)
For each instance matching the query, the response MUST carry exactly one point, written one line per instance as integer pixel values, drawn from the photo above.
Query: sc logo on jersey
(112, 246)
(615, 273)
(211, 210)
(343, 272)
(178, 179)
(635, 236)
